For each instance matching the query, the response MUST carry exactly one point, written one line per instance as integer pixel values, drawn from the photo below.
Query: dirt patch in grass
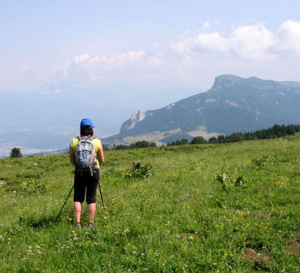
(2, 183)
(293, 246)
(187, 235)
(257, 259)
(264, 217)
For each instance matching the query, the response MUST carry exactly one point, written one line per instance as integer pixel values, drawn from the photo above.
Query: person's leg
(92, 212)
(77, 210)
(91, 195)
(79, 192)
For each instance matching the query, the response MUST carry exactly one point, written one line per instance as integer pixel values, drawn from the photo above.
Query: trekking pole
(64, 203)
(100, 193)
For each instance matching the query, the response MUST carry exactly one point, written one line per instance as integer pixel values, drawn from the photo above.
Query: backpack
(85, 155)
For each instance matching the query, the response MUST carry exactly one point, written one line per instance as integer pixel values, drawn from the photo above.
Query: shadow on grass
(39, 224)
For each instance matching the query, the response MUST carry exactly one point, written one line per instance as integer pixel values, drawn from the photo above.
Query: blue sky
(158, 43)
(141, 54)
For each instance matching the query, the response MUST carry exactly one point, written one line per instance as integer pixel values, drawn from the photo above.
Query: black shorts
(85, 185)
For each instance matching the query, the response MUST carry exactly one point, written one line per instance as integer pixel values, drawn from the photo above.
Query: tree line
(136, 145)
(273, 132)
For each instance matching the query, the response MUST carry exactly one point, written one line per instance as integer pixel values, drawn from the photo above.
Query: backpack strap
(92, 159)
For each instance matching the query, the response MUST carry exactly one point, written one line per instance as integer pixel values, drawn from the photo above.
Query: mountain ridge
(233, 104)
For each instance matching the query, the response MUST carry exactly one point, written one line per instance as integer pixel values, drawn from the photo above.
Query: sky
(143, 54)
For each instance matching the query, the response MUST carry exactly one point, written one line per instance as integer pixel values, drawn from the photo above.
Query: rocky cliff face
(136, 117)
(233, 104)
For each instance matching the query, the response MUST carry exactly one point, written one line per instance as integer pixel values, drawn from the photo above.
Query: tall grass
(199, 208)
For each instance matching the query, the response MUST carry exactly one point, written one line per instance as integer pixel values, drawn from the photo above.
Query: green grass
(203, 208)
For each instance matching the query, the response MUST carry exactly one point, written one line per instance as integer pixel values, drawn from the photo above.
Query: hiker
(86, 178)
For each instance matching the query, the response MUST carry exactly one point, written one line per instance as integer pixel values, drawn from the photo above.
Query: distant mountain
(233, 104)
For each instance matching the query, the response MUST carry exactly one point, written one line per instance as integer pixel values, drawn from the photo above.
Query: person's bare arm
(71, 155)
(101, 155)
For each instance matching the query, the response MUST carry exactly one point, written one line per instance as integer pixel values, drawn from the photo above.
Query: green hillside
(196, 208)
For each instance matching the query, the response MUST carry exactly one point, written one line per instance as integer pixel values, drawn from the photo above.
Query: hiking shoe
(90, 225)
(79, 225)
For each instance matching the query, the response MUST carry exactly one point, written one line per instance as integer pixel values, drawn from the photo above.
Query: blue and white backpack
(85, 155)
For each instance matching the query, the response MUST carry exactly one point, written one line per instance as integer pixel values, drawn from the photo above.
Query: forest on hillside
(275, 131)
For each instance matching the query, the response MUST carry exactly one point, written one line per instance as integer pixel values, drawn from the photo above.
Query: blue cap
(86, 124)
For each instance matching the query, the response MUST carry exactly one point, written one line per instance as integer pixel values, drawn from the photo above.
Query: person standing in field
(86, 179)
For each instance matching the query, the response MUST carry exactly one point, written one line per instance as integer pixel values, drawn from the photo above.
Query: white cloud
(153, 61)
(25, 68)
(124, 59)
(210, 41)
(244, 51)
(55, 91)
(81, 58)
(288, 38)
(97, 68)
(192, 60)
(108, 63)
(252, 42)
(207, 25)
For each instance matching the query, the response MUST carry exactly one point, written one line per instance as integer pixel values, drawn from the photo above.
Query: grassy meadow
(194, 208)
